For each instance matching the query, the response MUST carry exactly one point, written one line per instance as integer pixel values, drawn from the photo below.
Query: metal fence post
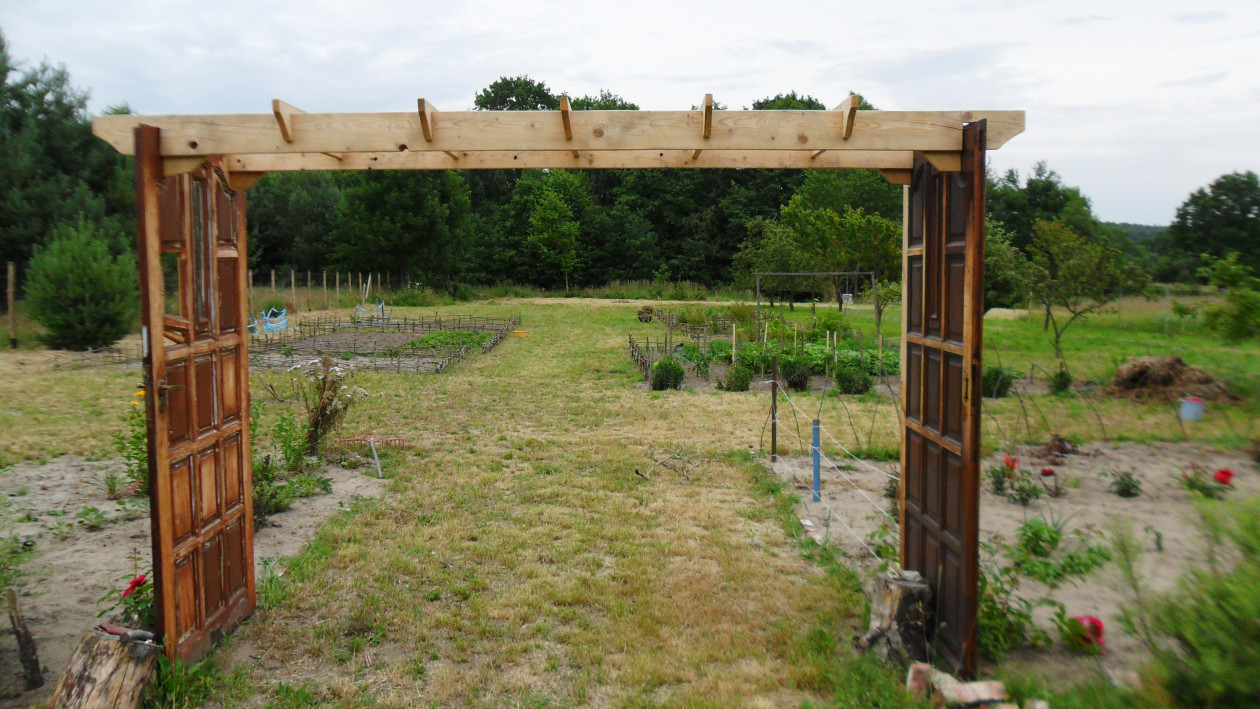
(815, 448)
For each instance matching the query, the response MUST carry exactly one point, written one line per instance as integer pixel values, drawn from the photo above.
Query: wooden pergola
(191, 173)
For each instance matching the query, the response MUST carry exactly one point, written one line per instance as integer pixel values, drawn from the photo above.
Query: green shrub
(1203, 636)
(85, 297)
(795, 371)
(271, 302)
(741, 313)
(738, 378)
(668, 373)
(996, 381)
(720, 351)
(852, 378)
(1060, 381)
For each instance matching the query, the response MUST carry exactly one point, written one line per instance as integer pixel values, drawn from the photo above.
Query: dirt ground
(72, 566)
(853, 496)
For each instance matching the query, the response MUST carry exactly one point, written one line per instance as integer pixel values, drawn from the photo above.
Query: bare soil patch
(854, 495)
(72, 566)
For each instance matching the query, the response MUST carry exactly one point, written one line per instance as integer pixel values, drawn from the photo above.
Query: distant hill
(1138, 232)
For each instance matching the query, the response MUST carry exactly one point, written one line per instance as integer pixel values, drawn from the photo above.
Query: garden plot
(406, 345)
(82, 544)
(852, 517)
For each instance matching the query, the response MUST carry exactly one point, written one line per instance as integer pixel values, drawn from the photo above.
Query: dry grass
(517, 560)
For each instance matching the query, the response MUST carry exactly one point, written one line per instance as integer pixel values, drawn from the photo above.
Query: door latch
(164, 391)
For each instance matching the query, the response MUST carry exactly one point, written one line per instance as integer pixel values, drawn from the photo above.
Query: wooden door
(192, 281)
(943, 266)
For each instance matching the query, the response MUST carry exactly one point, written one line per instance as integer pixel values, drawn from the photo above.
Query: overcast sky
(1137, 103)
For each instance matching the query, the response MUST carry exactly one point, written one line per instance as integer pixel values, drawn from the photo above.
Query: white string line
(850, 453)
(831, 462)
(852, 531)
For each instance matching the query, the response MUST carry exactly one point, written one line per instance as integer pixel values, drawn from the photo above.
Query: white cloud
(1138, 105)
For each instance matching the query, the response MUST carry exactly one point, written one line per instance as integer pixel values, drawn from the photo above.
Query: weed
(1198, 482)
(999, 476)
(92, 519)
(997, 380)
(1005, 618)
(1124, 484)
(738, 378)
(1023, 489)
(1060, 381)
(20, 492)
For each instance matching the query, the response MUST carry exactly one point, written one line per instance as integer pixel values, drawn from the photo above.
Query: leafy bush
(996, 381)
(279, 477)
(668, 373)
(738, 378)
(84, 297)
(1037, 553)
(852, 378)
(1125, 484)
(1060, 381)
(741, 313)
(1203, 636)
(271, 302)
(720, 351)
(418, 297)
(831, 321)
(1238, 318)
(795, 371)
(1005, 618)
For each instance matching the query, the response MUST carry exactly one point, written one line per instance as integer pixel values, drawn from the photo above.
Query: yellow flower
(140, 393)
(135, 403)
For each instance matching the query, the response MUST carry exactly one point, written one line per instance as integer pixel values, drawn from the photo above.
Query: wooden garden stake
(12, 298)
(27, 653)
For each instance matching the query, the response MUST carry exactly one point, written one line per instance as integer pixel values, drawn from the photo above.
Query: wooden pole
(308, 291)
(325, 300)
(338, 288)
(273, 280)
(293, 287)
(360, 284)
(12, 300)
(774, 409)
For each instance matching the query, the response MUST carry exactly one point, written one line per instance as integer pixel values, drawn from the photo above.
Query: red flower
(1093, 631)
(137, 582)
(1011, 463)
(1224, 476)
(1047, 471)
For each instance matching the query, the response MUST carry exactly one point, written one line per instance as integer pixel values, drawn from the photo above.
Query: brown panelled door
(944, 276)
(192, 268)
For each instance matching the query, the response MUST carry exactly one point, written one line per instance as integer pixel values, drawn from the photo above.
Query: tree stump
(106, 671)
(900, 605)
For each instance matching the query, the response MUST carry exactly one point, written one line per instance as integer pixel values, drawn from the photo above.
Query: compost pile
(1166, 379)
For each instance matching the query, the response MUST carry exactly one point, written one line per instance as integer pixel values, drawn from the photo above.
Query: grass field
(517, 560)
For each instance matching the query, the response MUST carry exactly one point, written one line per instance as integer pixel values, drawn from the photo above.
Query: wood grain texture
(105, 672)
(497, 160)
(535, 130)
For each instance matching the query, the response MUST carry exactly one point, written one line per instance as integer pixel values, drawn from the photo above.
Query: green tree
(1220, 219)
(293, 219)
(1042, 196)
(402, 222)
(54, 169)
(85, 297)
(1006, 269)
(604, 101)
(517, 93)
(1077, 274)
(554, 232)
(1238, 318)
(772, 248)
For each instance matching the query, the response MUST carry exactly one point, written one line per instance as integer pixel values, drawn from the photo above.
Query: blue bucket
(1192, 408)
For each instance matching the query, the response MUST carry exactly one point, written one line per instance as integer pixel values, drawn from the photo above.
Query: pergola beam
(468, 131)
(608, 159)
(567, 121)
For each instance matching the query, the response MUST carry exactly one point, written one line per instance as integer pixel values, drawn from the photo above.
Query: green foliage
(280, 465)
(1004, 617)
(795, 370)
(133, 446)
(1007, 273)
(450, 339)
(1125, 484)
(1061, 381)
(517, 93)
(1022, 488)
(1200, 483)
(1203, 635)
(720, 351)
(996, 381)
(84, 297)
(1220, 219)
(1037, 553)
(851, 377)
(132, 602)
(176, 684)
(1078, 274)
(998, 476)
(667, 373)
(326, 395)
(738, 378)
(1238, 318)
(700, 359)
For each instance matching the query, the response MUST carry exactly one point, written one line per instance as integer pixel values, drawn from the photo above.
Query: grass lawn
(517, 560)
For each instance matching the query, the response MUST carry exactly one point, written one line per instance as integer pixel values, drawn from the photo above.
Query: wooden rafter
(848, 112)
(564, 118)
(284, 117)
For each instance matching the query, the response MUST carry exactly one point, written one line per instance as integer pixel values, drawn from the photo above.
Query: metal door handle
(164, 390)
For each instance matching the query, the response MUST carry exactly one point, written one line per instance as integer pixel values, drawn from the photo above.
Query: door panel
(192, 263)
(944, 275)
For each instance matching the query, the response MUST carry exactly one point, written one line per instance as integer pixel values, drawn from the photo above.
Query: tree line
(561, 229)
